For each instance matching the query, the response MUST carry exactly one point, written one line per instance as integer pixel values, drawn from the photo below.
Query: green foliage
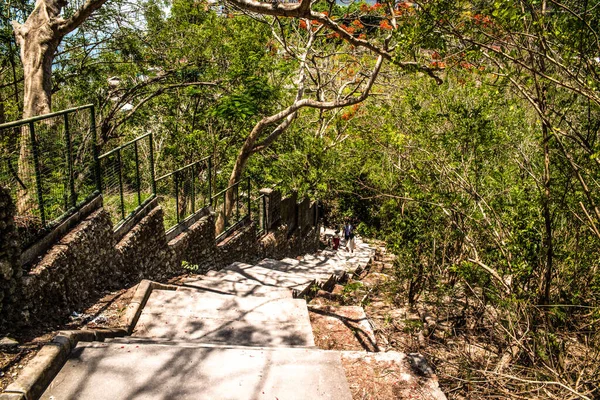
(191, 268)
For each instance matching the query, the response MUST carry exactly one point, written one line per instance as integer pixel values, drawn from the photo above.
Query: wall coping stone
(121, 230)
(39, 247)
(189, 221)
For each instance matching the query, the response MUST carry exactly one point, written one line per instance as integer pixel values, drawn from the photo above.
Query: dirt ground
(337, 325)
(107, 312)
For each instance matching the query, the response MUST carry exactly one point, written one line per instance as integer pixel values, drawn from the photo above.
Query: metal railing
(49, 163)
(185, 191)
(230, 215)
(127, 177)
(259, 216)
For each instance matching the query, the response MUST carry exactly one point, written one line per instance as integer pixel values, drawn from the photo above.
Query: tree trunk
(37, 53)
(38, 39)
(548, 243)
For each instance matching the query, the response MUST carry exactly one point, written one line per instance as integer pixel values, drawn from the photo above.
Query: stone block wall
(289, 212)
(10, 251)
(76, 269)
(240, 246)
(273, 207)
(92, 258)
(296, 234)
(197, 245)
(304, 217)
(144, 251)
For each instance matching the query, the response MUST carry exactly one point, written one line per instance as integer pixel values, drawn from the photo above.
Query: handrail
(226, 189)
(41, 117)
(121, 147)
(182, 168)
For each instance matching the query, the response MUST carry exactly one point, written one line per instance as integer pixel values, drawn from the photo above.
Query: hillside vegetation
(462, 133)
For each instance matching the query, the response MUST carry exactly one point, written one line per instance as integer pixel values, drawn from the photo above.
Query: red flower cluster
(438, 64)
(385, 24)
(482, 19)
(348, 29)
(357, 24)
(351, 113)
(466, 65)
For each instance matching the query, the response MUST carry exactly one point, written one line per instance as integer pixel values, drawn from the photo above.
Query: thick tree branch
(69, 25)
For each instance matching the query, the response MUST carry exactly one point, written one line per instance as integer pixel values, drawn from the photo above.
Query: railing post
(225, 209)
(38, 181)
(121, 184)
(193, 188)
(237, 201)
(261, 212)
(176, 178)
(73, 199)
(210, 181)
(95, 149)
(272, 207)
(137, 172)
(249, 186)
(152, 163)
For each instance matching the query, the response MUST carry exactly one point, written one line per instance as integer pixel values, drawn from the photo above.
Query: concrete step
(118, 371)
(252, 274)
(325, 272)
(224, 287)
(212, 318)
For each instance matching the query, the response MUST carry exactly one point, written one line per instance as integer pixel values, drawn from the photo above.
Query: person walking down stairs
(349, 236)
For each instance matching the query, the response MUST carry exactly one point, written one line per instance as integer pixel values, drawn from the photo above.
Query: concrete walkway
(238, 333)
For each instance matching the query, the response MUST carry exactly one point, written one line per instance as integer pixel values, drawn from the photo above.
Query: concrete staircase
(239, 333)
(245, 332)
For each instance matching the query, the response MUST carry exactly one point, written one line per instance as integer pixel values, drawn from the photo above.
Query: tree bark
(38, 39)
(287, 116)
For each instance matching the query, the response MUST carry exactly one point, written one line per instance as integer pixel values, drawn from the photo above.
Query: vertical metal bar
(176, 178)
(97, 170)
(264, 214)
(71, 178)
(225, 209)
(193, 188)
(152, 163)
(248, 200)
(137, 172)
(38, 181)
(210, 181)
(237, 201)
(121, 184)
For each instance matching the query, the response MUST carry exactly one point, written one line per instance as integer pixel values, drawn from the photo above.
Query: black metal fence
(127, 177)
(49, 164)
(185, 191)
(258, 214)
(230, 213)
(52, 167)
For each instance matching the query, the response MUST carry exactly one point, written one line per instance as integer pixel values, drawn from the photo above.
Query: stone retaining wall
(10, 252)
(73, 271)
(197, 245)
(91, 258)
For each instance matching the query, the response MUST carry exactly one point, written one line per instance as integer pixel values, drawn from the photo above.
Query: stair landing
(100, 371)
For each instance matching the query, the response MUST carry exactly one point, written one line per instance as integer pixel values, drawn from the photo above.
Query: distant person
(336, 241)
(351, 243)
(348, 234)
